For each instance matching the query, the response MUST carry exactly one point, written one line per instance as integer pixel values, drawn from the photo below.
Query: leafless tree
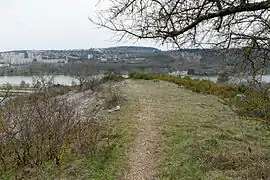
(189, 22)
(223, 24)
(43, 82)
(83, 73)
(85, 76)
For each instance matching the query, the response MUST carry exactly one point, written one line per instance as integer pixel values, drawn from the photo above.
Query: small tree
(22, 84)
(191, 72)
(223, 77)
(43, 81)
(83, 74)
(73, 83)
(36, 84)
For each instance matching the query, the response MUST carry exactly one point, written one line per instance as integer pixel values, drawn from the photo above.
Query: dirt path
(142, 156)
(179, 134)
(153, 107)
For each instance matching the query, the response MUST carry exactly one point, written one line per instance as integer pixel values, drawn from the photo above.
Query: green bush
(256, 104)
(112, 76)
(196, 85)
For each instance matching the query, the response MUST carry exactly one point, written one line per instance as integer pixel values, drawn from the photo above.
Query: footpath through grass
(198, 137)
(165, 131)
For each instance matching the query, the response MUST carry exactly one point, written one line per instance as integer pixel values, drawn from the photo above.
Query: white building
(14, 58)
(90, 56)
(179, 73)
(4, 65)
(30, 55)
(103, 60)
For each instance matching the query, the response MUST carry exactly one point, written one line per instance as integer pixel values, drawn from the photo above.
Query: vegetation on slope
(198, 137)
(252, 103)
(204, 139)
(163, 130)
(48, 135)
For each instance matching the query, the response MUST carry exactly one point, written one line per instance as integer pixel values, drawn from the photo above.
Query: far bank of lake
(67, 80)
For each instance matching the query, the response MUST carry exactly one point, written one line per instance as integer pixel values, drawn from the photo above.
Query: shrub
(112, 76)
(223, 77)
(93, 84)
(46, 128)
(257, 103)
(113, 97)
(41, 129)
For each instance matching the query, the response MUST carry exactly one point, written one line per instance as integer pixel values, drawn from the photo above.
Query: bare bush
(43, 82)
(83, 74)
(45, 127)
(39, 129)
(113, 97)
(94, 84)
(112, 75)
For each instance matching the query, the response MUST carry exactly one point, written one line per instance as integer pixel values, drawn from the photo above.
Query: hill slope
(179, 134)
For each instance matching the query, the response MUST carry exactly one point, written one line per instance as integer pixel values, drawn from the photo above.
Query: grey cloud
(52, 24)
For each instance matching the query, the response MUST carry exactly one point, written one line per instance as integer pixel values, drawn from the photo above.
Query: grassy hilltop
(167, 128)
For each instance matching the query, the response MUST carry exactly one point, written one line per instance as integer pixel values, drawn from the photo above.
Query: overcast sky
(52, 24)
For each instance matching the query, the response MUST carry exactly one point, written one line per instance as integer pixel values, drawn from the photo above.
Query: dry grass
(200, 138)
(194, 137)
(255, 101)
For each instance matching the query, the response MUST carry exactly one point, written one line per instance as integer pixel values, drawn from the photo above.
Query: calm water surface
(16, 80)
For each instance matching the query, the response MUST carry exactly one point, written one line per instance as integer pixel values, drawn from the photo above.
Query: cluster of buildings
(115, 55)
(20, 58)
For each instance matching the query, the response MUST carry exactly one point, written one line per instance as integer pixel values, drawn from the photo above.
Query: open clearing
(179, 134)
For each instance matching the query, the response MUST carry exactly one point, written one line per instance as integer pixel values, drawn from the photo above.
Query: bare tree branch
(241, 24)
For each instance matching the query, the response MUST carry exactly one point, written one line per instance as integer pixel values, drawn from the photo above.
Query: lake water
(16, 80)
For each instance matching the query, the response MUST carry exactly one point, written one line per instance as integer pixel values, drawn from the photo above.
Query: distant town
(22, 57)
(122, 58)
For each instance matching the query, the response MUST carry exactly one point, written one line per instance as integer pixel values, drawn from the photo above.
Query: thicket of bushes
(253, 103)
(44, 128)
(112, 76)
